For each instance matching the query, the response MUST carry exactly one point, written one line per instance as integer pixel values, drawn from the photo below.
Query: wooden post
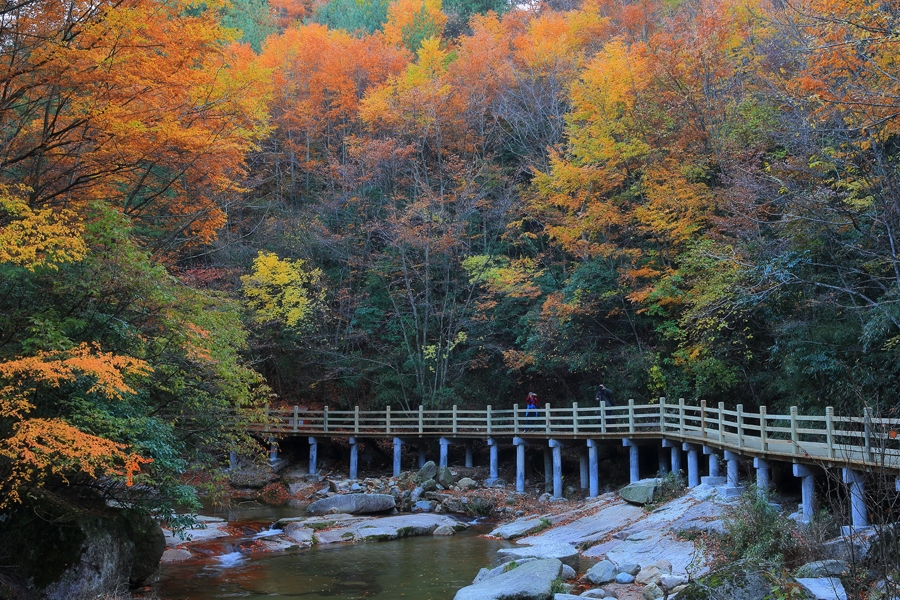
(356, 421)
(575, 418)
(721, 422)
(325, 420)
(516, 419)
(489, 420)
(662, 414)
(454, 420)
(829, 430)
(703, 419)
(795, 438)
(387, 420)
(421, 419)
(631, 415)
(740, 425)
(763, 433)
(867, 424)
(681, 416)
(547, 418)
(603, 416)
(296, 417)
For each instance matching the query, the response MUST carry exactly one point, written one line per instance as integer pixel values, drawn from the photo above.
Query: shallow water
(417, 568)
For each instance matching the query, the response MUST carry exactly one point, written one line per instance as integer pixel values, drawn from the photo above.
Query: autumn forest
(209, 205)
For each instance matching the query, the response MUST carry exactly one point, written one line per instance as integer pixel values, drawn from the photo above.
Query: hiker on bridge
(531, 411)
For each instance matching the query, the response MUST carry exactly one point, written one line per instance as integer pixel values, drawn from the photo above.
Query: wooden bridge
(859, 445)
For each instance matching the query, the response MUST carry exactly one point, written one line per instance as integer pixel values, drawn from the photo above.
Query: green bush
(756, 529)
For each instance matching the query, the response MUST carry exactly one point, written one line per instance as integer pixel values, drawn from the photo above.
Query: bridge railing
(866, 438)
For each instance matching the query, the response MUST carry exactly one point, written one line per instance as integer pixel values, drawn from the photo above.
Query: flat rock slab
(212, 531)
(589, 528)
(353, 504)
(518, 528)
(566, 553)
(532, 580)
(824, 588)
(387, 528)
(648, 547)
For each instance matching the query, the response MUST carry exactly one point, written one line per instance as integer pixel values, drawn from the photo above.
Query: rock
(565, 553)
(353, 504)
(823, 568)
(631, 568)
(423, 506)
(299, 533)
(444, 530)
(176, 555)
(466, 484)
(641, 492)
(386, 528)
(652, 592)
(824, 588)
(252, 477)
(149, 545)
(624, 578)
(428, 471)
(416, 494)
(519, 527)
(545, 497)
(595, 593)
(530, 580)
(648, 575)
(429, 485)
(740, 580)
(565, 597)
(500, 570)
(670, 582)
(446, 477)
(568, 573)
(603, 572)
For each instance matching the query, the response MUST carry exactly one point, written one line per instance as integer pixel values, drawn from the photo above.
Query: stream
(415, 568)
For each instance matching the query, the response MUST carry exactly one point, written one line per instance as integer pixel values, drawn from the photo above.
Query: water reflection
(421, 568)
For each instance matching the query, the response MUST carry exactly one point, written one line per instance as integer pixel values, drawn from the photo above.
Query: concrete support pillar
(859, 516)
(548, 465)
(520, 464)
(675, 448)
(807, 491)
(273, 450)
(469, 462)
(663, 458)
(692, 464)
(398, 447)
(232, 461)
(313, 455)
(494, 475)
(763, 476)
(732, 485)
(422, 454)
(713, 478)
(556, 448)
(445, 445)
(593, 469)
(354, 458)
(633, 460)
(583, 468)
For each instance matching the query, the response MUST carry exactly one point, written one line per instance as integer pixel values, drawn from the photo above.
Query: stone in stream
(530, 580)
(565, 553)
(352, 504)
(518, 528)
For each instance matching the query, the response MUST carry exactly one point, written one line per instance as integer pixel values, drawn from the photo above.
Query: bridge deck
(826, 439)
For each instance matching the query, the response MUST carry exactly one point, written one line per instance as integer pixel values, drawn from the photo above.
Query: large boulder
(742, 580)
(149, 545)
(353, 504)
(530, 581)
(428, 471)
(640, 492)
(603, 572)
(823, 588)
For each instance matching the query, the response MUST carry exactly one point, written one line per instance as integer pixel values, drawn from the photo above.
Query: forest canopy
(206, 206)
